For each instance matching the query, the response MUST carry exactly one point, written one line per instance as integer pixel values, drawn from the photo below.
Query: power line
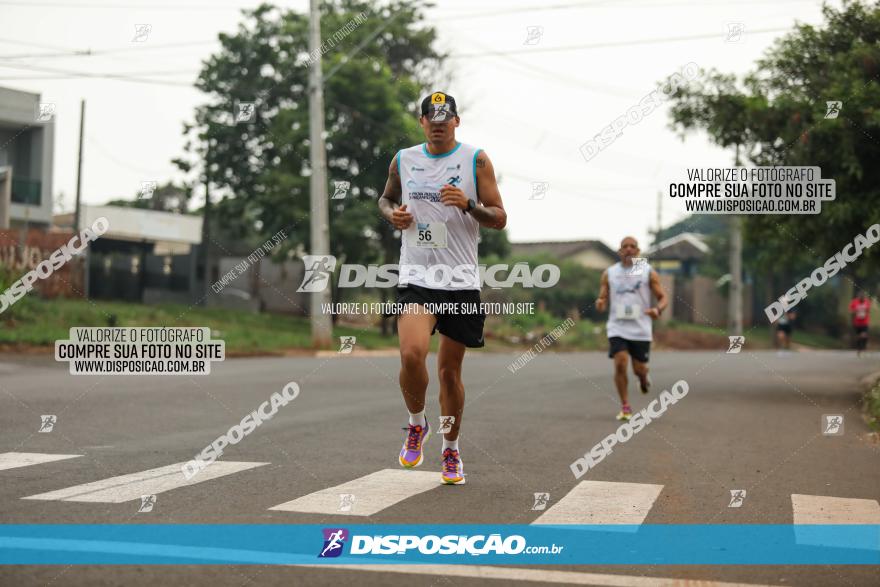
(561, 78)
(98, 52)
(85, 74)
(632, 42)
(29, 4)
(597, 4)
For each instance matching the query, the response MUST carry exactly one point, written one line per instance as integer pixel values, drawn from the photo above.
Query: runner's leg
(621, 359)
(640, 370)
(449, 361)
(414, 329)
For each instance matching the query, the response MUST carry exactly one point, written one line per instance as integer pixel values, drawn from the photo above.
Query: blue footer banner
(283, 544)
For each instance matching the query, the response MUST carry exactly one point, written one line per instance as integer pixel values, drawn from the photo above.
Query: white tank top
(630, 297)
(442, 239)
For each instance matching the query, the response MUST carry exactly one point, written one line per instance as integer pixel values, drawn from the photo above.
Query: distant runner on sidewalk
(860, 310)
(783, 330)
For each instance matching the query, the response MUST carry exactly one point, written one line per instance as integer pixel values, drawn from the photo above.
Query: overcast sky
(529, 105)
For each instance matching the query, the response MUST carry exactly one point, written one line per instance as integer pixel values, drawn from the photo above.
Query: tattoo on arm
(491, 213)
(485, 216)
(393, 194)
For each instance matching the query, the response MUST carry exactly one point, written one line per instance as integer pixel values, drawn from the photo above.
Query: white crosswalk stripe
(13, 460)
(814, 510)
(153, 481)
(821, 509)
(371, 493)
(603, 502)
(509, 575)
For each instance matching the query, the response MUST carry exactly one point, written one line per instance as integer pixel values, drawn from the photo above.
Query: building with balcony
(27, 139)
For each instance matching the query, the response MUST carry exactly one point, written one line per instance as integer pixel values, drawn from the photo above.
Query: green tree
(374, 77)
(776, 116)
(493, 242)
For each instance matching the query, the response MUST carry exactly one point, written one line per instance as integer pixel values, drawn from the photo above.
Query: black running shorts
(639, 350)
(465, 328)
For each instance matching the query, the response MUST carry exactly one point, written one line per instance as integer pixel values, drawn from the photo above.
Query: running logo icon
(736, 344)
(142, 32)
(334, 541)
(737, 497)
(533, 35)
(244, 112)
(346, 344)
(45, 111)
(735, 32)
(832, 109)
(319, 268)
(541, 501)
(832, 424)
(446, 423)
(539, 190)
(346, 502)
(147, 189)
(147, 503)
(47, 423)
(340, 189)
(441, 113)
(637, 268)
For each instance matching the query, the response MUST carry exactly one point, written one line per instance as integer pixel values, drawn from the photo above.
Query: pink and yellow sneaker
(411, 453)
(453, 469)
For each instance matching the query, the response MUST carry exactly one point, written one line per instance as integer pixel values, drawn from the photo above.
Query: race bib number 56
(428, 235)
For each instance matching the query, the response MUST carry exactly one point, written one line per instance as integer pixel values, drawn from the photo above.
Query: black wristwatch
(471, 205)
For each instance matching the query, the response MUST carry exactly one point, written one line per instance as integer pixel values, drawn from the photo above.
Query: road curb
(872, 418)
(869, 380)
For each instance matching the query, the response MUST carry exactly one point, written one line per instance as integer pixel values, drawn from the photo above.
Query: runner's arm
(602, 300)
(659, 293)
(389, 202)
(491, 214)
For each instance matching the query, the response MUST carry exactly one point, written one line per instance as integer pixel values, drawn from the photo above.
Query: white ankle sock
(417, 419)
(453, 444)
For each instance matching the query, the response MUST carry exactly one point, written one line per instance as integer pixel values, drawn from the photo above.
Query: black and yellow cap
(439, 107)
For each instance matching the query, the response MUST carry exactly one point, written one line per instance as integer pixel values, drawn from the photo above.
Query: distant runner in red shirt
(860, 309)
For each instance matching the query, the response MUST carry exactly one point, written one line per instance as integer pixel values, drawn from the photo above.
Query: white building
(27, 141)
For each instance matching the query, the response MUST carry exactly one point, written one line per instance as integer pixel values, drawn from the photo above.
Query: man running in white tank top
(629, 286)
(438, 194)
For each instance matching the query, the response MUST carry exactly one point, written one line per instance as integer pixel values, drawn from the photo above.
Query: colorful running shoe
(453, 469)
(411, 452)
(625, 414)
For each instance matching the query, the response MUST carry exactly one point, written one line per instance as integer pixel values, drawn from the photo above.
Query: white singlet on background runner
(630, 297)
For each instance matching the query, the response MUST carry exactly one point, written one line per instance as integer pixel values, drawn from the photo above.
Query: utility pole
(5, 196)
(206, 228)
(76, 213)
(321, 326)
(79, 166)
(735, 299)
(659, 217)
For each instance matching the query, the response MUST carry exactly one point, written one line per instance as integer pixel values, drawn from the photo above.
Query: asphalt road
(750, 421)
